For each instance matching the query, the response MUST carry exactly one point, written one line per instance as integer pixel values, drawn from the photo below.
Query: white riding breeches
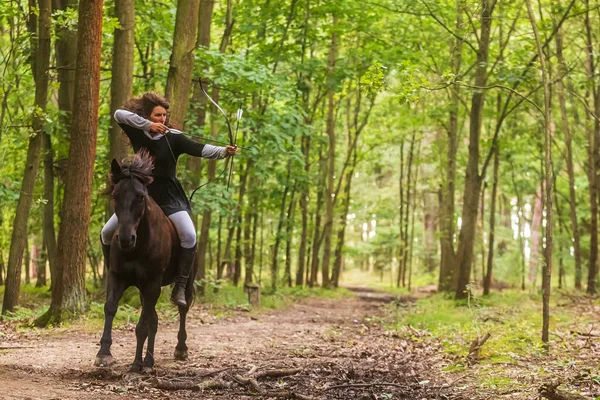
(181, 220)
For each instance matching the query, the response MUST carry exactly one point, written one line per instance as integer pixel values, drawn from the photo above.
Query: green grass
(512, 318)
(499, 383)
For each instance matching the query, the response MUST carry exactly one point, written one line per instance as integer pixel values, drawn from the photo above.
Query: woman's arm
(188, 146)
(133, 120)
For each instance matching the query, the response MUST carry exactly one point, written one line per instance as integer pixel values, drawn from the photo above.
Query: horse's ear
(115, 168)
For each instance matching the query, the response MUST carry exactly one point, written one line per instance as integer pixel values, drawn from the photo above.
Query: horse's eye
(141, 198)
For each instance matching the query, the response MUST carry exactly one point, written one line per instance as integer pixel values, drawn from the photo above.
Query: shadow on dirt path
(315, 349)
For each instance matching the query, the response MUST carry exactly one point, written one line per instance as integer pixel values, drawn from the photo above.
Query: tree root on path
(366, 385)
(166, 384)
(549, 391)
(250, 379)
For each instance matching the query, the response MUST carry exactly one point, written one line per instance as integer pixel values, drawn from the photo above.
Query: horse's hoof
(181, 355)
(148, 362)
(104, 361)
(136, 368)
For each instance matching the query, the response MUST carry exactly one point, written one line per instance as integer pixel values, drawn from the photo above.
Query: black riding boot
(106, 253)
(186, 259)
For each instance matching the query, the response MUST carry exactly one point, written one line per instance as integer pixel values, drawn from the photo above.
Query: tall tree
(548, 179)
(328, 227)
(214, 129)
(68, 295)
(40, 65)
(593, 148)
(491, 237)
(305, 145)
(447, 260)
(193, 164)
(121, 83)
(560, 92)
(181, 65)
(466, 237)
(66, 57)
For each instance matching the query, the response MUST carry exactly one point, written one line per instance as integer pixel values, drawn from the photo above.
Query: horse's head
(130, 196)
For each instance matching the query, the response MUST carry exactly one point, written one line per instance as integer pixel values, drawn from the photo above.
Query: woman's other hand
(232, 150)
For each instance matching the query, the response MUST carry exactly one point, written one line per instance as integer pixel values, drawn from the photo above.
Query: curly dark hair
(144, 104)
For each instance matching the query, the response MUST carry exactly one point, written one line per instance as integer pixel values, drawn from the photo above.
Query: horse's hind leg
(146, 328)
(181, 350)
(114, 291)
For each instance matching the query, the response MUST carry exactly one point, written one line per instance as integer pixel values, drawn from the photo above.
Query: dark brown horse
(144, 254)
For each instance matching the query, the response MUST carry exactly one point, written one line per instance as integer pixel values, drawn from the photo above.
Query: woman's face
(158, 114)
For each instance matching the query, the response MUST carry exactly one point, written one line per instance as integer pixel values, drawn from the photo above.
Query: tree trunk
(27, 264)
(206, 217)
(304, 193)
(548, 169)
(19, 232)
(194, 164)
(536, 223)
(252, 258)
(560, 91)
(401, 206)
(240, 209)
(1, 269)
(289, 230)
(482, 237)
(68, 296)
(181, 64)
(305, 143)
(490, 258)
(406, 243)
(49, 231)
(41, 267)
(413, 214)
(316, 244)
(250, 230)
(279, 233)
(447, 259)
(593, 158)
(337, 265)
(227, 252)
(66, 58)
(559, 217)
(262, 243)
(430, 228)
(466, 236)
(328, 227)
(121, 84)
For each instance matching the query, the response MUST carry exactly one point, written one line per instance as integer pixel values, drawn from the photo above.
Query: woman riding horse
(144, 120)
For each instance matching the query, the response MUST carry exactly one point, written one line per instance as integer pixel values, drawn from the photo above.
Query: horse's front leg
(181, 350)
(146, 328)
(114, 291)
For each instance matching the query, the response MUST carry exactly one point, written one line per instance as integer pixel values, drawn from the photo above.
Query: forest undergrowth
(512, 359)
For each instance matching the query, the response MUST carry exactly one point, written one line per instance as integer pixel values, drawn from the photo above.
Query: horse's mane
(137, 166)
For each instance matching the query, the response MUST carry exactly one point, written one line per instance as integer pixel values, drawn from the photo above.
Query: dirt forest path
(315, 344)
